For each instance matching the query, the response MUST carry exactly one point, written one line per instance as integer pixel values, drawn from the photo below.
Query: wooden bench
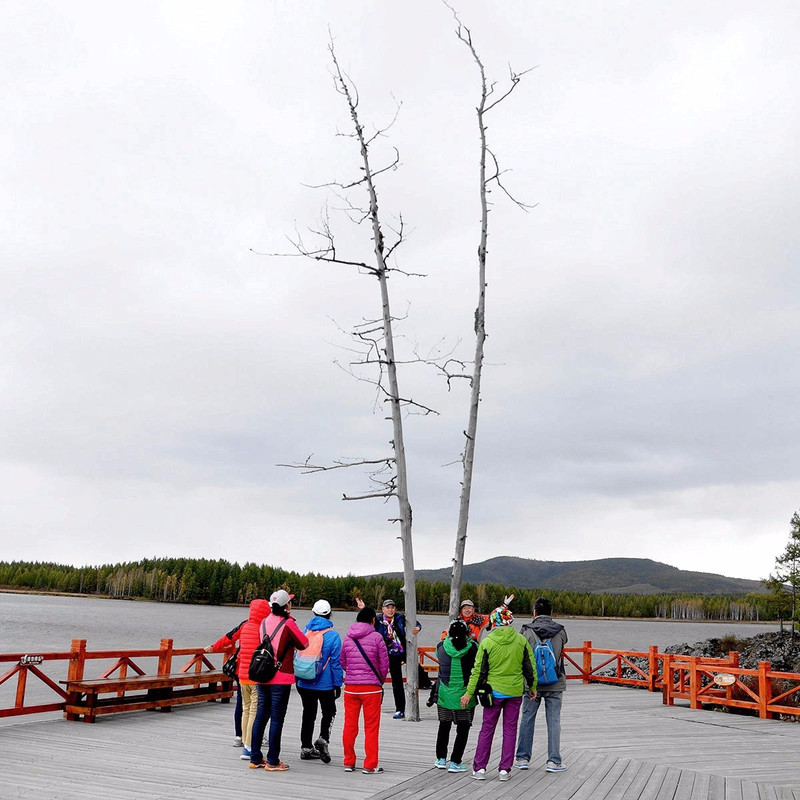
(147, 692)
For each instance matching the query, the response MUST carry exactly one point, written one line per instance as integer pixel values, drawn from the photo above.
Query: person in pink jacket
(273, 696)
(365, 662)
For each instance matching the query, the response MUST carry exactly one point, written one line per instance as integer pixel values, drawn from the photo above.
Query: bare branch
(496, 178)
(368, 496)
(307, 468)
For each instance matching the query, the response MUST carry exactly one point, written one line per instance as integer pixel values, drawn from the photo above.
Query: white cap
(322, 608)
(281, 597)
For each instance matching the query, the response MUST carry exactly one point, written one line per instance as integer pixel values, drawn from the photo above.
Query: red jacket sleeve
(224, 642)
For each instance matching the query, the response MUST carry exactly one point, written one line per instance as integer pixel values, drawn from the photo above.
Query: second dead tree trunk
(485, 105)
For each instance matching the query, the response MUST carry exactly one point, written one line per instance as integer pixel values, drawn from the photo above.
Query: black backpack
(264, 664)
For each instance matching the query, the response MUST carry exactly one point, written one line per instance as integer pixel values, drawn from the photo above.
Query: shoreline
(44, 593)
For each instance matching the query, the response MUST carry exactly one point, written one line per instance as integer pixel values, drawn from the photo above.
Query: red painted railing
(700, 680)
(72, 666)
(709, 681)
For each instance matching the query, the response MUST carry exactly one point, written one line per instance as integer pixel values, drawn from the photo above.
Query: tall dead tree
(389, 476)
(488, 176)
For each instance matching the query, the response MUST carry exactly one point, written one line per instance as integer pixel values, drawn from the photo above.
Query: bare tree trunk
(475, 383)
(468, 459)
(405, 518)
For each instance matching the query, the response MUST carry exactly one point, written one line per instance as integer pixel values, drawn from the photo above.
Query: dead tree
(488, 176)
(377, 346)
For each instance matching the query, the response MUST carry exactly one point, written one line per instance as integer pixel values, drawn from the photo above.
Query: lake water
(43, 623)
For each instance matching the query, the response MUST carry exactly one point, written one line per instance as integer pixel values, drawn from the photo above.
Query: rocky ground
(777, 648)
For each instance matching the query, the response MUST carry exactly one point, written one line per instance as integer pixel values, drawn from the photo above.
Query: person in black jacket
(456, 657)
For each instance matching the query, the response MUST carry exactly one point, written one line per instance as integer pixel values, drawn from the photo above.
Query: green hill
(608, 575)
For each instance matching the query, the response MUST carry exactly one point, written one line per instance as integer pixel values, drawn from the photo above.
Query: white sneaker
(553, 767)
(479, 774)
(503, 775)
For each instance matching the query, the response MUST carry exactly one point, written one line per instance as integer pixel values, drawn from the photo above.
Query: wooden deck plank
(685, 786)
(618, 744)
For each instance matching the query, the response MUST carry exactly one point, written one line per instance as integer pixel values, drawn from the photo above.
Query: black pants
(443, 737)
(237, 711)
(327, 704)
(398, 689)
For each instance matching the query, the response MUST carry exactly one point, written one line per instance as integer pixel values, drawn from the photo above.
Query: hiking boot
(503, 774)
(553, 767)
(479, 774)
(440, 763)
(457, 767)
(281, 766)
(321, 746)
(309, 752)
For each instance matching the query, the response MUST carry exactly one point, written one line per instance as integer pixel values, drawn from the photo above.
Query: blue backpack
(545, 660)
(308, 663)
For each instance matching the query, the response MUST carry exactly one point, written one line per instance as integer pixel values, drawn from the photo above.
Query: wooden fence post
(587, 661)
(165, 657)
(652, 667)
(77, 663)
(764, 690)
(668, 681)
(694, 683)
(77, 660)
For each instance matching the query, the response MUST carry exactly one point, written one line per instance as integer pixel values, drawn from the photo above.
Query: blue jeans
(273, 700)
(552, 711)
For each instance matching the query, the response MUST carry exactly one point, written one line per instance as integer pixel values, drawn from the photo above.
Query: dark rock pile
(777, 648)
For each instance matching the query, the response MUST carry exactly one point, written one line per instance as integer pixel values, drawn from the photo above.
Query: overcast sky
(641, 390)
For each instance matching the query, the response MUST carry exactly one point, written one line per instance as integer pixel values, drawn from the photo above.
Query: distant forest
(188, 580)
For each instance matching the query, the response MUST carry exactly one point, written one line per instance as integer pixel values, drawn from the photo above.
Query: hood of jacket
(545, 628)
(453, 651)
(318, 624)
(259, 609)
(358, 630)
(504, 636)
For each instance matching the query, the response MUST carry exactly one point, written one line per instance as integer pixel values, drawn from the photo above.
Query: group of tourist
(481, 658)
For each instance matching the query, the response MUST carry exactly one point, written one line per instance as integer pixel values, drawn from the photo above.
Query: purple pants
(510, 707)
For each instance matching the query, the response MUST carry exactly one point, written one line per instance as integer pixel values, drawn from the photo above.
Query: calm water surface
(37, 623)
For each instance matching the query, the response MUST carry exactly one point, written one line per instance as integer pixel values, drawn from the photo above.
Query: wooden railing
(702, 681)
(48, 668)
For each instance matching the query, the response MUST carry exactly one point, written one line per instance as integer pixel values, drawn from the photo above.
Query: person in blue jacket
(324, 691)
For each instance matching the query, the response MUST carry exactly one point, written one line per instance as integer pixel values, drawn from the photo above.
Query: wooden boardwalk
(618, 744)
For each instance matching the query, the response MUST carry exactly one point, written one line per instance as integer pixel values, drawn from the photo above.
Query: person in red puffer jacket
(249, 638)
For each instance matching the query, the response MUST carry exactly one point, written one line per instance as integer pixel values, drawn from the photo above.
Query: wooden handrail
(76, 659)
(677, 677)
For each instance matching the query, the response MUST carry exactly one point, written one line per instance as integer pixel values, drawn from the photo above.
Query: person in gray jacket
(540, 629)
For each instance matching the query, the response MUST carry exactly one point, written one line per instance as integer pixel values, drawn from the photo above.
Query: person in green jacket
(504, 661)
(456, 657)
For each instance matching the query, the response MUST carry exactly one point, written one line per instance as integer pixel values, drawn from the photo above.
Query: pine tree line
(188, 580)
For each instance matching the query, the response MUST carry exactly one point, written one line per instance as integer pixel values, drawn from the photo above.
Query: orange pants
(356, 698)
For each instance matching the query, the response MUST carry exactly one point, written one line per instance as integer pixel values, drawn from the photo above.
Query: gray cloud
(639, 396)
